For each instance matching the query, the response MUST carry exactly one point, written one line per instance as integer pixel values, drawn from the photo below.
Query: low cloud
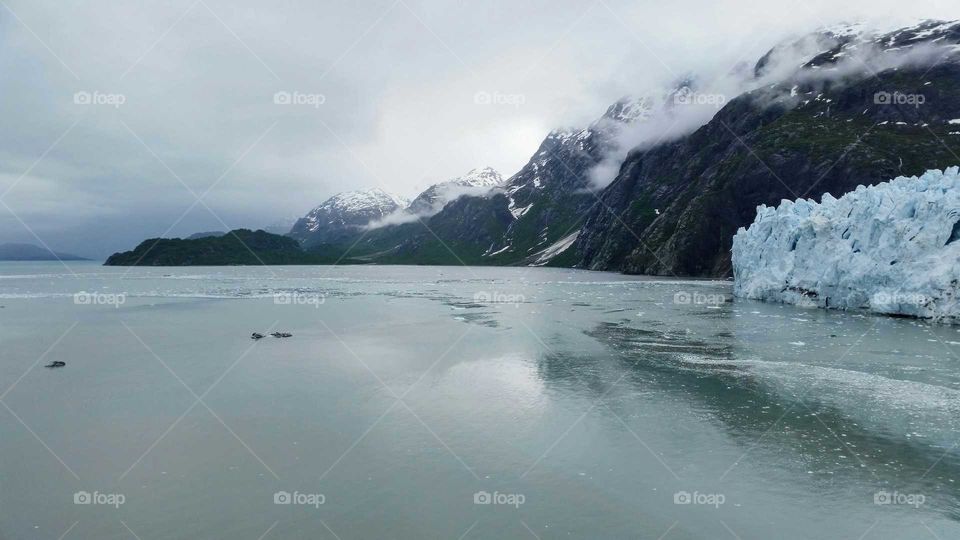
(445, 193)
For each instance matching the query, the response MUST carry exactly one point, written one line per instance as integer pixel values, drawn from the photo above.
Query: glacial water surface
(440, 402)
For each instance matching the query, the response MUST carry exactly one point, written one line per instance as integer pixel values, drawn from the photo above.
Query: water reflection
(833, 431)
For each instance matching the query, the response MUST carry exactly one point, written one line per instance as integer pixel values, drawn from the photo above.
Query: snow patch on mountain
(483, 177)
(891, 248)
(433, 199)
(476, 183)
(518, 212)
(555, 249)
(491, 253)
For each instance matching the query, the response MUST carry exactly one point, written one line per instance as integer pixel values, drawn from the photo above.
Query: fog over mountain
(115, 125)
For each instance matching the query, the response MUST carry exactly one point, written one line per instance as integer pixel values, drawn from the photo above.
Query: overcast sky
(118, 115)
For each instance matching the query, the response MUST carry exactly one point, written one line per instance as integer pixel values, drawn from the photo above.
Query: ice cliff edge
(892, 248)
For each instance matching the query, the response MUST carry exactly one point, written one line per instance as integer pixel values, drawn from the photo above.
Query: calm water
(586, 405)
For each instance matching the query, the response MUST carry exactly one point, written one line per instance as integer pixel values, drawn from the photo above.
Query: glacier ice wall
(892, 248)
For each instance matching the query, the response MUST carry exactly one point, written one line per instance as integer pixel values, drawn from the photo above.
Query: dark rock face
(673, 209)
(457, 235)
(544, 202)
(552, 194)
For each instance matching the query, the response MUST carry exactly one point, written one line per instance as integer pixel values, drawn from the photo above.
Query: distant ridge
(30, 252)
(237, 247)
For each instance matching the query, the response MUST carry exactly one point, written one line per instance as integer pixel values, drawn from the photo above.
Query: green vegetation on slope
(238, 247)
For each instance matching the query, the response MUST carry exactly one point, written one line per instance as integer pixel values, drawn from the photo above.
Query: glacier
(891, 248)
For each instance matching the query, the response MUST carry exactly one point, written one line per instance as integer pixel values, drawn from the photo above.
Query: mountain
(434, 198)
(862, 109)
(514, 222)
(659, 184)
(344, 216)
(551, 194)
(238, 247)
(30, 252)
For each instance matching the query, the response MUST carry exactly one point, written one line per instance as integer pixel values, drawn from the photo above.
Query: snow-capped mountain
(503, 222)
(830, 45)
(536, 208)
(343, 215)
(548, 197)
(891, 248)
(434, 198)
